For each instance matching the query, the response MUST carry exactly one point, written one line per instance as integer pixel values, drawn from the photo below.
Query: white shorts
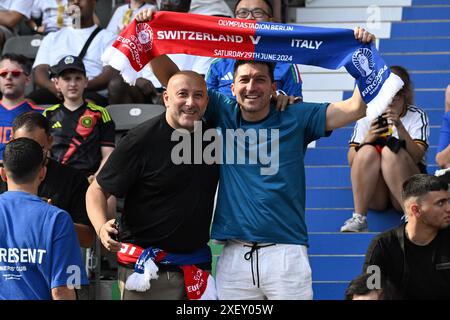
(284, 272)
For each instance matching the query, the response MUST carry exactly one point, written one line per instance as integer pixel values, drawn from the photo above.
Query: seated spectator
(415, 255)
(70, 41)
(83, 133)
(124, 14)
(220, 74)
(40, 255)
(383, 154)
(362, 288)
(63, 186)
(52, 15)
(14, 77)
(11, 14)
(211, 8)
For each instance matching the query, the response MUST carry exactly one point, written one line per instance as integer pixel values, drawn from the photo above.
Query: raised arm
(163, 67)
(342, 113)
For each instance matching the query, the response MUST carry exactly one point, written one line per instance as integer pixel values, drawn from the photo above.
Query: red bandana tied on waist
(199, 284)
(218, 37)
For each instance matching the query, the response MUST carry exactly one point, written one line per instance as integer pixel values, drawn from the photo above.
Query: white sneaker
(357, 223)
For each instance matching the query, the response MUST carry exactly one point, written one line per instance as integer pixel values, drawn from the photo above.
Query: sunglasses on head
(14, 73)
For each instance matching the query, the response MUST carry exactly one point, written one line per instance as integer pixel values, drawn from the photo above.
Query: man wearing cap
(83, 132)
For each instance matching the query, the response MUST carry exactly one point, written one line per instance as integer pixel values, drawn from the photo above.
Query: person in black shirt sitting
(416, 256)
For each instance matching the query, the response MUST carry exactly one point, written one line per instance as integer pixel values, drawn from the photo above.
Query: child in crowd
(83, 132)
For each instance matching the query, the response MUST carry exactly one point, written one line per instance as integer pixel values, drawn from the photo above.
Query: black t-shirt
(66, 187)
(424, 281)
(167, 206)
(418, 272)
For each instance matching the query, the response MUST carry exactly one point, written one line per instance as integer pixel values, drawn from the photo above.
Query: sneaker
(357, 223)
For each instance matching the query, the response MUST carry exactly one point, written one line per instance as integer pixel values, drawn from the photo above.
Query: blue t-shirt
(221, 72)
(7, 116)
(39, 249)
(263, 200)
(444, 136)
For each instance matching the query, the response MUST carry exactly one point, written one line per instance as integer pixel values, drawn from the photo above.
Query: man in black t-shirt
(64, 186)
(416, 256)
(168, 204)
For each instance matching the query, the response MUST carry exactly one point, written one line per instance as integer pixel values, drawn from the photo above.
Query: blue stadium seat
(25, 45)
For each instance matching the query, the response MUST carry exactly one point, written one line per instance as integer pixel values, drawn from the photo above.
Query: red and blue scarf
(199, 284)
(331, 48)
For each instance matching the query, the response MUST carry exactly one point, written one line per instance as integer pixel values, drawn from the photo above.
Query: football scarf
(202, 35)
(199, 284)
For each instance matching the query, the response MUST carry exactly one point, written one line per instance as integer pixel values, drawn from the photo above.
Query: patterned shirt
(79, 135)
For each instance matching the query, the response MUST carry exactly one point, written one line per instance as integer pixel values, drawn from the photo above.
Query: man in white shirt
(70, 41)
(211, 8)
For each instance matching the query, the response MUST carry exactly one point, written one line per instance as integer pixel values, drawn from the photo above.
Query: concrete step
(331, 220)
(420, 29)
(357, 3)
(425, 98)
(381, 30)
(341, 136)
(331, 156)
(336, 268)
(320, 156)
(345, 14)
(414, 45)
(340, 243)
(430, 2)
(420, 62)
(321, 96)
(344, 81)
(427, 13)
(320, 198)
(330, 290)
(336, 176)
(327, 81)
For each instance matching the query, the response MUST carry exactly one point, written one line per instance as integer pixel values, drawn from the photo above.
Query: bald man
(168, 204)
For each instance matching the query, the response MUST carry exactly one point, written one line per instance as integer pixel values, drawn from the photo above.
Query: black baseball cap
(68, 63)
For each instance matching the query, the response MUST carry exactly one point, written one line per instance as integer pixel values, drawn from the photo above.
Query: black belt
(249, 256)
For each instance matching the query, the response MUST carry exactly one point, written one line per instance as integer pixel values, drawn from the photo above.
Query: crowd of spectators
(77, 136)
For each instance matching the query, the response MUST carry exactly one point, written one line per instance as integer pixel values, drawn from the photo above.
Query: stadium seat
(127, 116)
(25, 45)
